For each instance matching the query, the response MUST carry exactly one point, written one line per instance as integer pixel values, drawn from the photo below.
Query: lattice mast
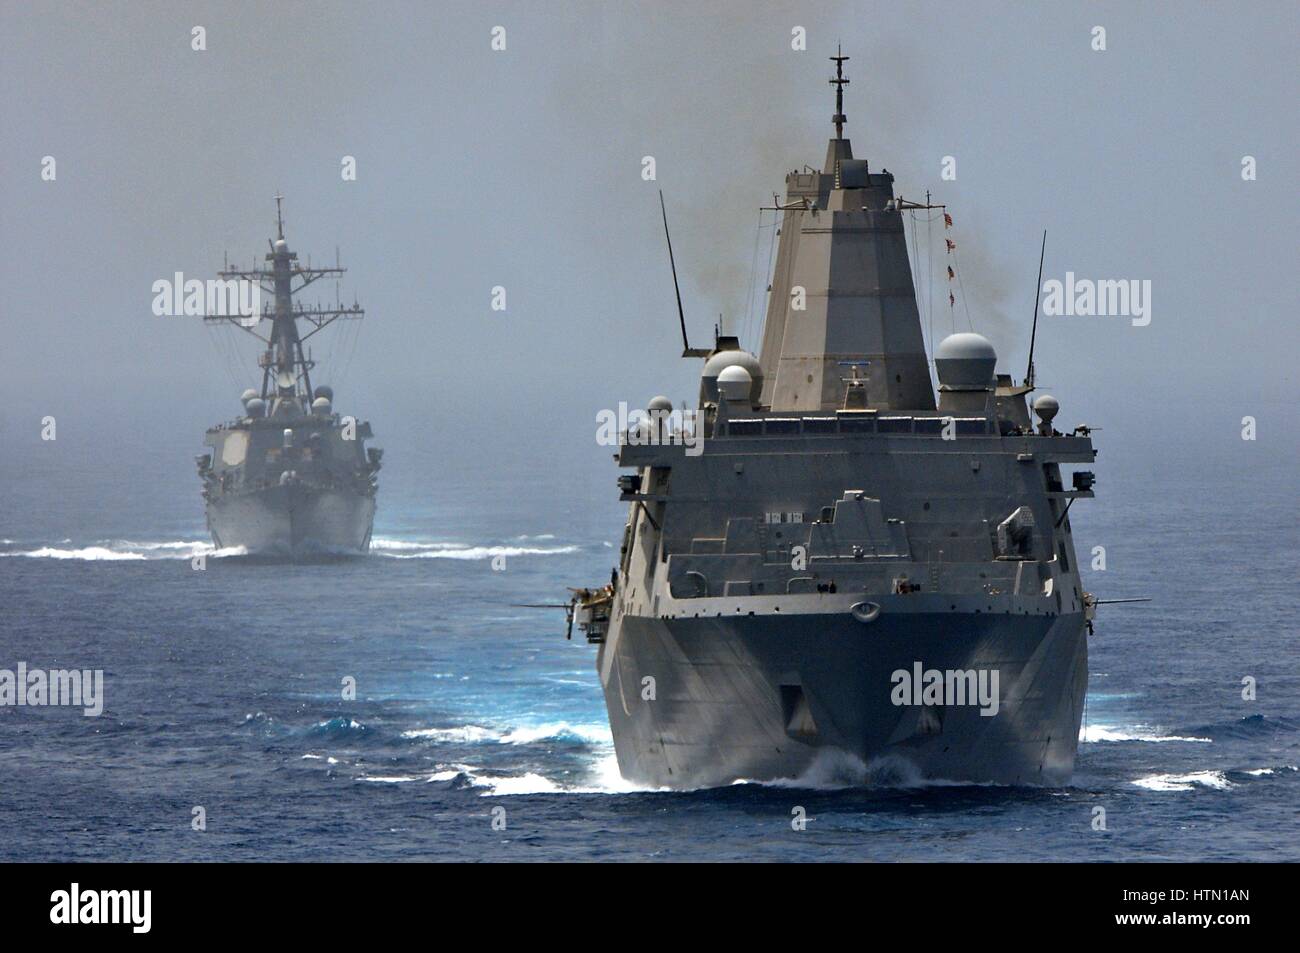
(285, 366)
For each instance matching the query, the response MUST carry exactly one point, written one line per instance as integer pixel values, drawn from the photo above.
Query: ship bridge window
(745, 428)
(783, 425)
(820, 425)
(857, 425)
(894, 425)
(971, 426)
(930, 425)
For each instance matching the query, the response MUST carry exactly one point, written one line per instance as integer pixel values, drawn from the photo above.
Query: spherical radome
(734, 383)
(1046, 406)
(965, 361)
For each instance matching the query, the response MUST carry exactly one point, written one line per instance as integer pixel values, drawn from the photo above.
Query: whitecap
(1093, 734)
(88, 553)
(1215, 780)
(465, 734)
(452, 551)
(340, 723)
(125, 550)
(556, 731)
(529, 783)
(447, 775)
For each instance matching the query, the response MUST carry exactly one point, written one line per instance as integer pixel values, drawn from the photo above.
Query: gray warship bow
(289, 478)
(843, 564)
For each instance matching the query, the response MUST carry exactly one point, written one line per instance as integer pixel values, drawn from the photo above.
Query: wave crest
(1092, 734)
(1213, 780)
(410, 549)
(125, 550)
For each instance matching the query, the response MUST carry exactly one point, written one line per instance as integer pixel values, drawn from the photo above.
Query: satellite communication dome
(965, 361)
(1046, 407)
(324, 390)
(735, 383)
(720, 362)
(724, 359)
(321, 405)
(281, 246)
(256, 407)
(660, 404)
(247, 395)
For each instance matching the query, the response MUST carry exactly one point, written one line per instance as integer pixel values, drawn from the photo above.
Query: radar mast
(286, 369)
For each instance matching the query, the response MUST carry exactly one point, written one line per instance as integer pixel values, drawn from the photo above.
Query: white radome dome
(965, 361)
(724, 359)
(735, 383)
(719, 362)
(1046, 407)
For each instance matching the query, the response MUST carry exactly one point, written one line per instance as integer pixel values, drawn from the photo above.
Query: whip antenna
(681, 315)
(1038, 293)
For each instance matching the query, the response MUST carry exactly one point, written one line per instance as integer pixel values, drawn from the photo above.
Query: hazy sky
(522, 169)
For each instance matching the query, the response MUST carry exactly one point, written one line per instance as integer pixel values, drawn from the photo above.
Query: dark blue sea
(223, 686)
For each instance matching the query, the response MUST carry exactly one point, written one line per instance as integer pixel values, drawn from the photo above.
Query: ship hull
(809, 697)
(293, 522)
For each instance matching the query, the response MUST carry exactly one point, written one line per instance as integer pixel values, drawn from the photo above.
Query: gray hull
(749, 697)
(293, 521)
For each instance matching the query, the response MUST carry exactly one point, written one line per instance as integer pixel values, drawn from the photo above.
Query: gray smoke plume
(725, 131)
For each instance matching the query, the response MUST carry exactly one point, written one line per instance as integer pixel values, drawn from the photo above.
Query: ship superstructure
(854, 564)
(290, 477)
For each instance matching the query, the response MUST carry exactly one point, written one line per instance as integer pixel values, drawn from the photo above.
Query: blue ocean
(478, 733)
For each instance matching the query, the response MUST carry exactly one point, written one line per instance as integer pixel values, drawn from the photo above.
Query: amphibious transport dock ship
(843, 563)
(290, 477)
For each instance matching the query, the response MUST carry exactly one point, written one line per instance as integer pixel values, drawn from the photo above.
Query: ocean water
(223, 686)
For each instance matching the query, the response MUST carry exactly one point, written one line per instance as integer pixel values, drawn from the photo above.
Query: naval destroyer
(842, 561)
(290, 477)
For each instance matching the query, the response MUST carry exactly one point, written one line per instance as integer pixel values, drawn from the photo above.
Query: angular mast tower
(286, 370)
(843, 290)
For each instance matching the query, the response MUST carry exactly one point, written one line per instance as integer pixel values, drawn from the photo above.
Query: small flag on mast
(947, 220)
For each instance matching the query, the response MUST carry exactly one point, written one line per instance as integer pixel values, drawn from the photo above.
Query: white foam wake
(523, 735)
(833, 769)
(465, 734)
(603, 778)
(1215, 780)
(1093, 734)
(408, 549)
(125, 550)
(559, 731)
